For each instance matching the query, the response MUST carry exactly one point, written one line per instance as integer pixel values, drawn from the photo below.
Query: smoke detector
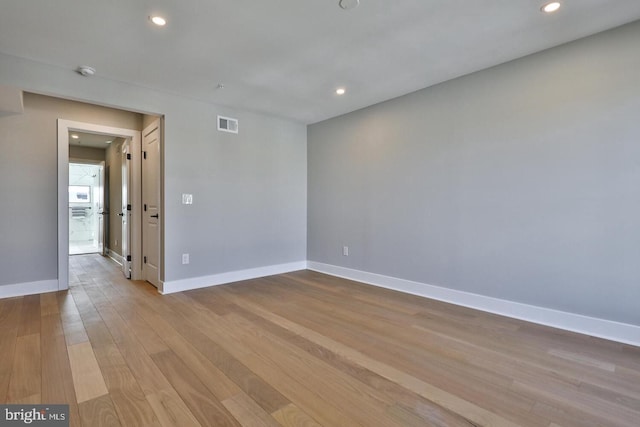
(349, 4)
(86, 71)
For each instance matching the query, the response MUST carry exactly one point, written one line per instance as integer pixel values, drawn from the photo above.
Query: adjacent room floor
(88, 247)
(300, 349)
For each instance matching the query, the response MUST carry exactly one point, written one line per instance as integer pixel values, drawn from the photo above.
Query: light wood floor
(300, 349)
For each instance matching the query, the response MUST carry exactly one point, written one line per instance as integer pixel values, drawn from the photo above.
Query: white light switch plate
(187, 199)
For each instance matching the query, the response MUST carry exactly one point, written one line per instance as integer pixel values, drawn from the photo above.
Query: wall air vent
(227, 124)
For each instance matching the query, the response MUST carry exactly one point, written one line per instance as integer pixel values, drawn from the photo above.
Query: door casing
(64, 127)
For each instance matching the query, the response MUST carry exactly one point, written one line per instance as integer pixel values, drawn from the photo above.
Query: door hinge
(129, 258)
(128, 156)
(145, 259)
(145, 207)
(144, 154)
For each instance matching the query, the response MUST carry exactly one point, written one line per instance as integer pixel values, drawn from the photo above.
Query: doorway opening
(87, 209)
(113, 200)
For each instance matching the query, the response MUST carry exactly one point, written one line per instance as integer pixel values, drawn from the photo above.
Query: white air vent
(227, 124)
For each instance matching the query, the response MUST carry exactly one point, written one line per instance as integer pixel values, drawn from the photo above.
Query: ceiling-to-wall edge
(559, 48)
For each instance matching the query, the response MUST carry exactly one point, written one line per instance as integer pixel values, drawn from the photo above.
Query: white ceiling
(92, 140)
(287, 57)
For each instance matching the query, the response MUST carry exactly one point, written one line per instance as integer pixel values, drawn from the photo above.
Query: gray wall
(249, 195)
(520, 182)
(28, 182)
(86, 153)
(249, 189)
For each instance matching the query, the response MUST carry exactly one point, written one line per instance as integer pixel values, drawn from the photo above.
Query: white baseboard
(229, 277)
(115, 256)
(601, 328)
(607, 329)
(28, 288)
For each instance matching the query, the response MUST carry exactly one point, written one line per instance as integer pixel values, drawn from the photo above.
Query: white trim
(28, 288)
(64, 126)
(229, 277)
(115, 256)
(601, 328)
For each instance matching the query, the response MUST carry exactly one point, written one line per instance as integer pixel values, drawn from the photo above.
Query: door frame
(64, 127)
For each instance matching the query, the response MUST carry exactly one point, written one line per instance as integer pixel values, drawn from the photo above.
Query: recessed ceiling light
(158, 20)
(74, 136)
(349, 4)
(551, 7)
(340, 91)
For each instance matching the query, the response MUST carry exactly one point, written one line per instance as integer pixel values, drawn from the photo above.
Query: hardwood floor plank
(292, 416)
(74, 331)
(338, 387)
(204, 405)
(611, 396)
(304, 349)
(482, 388)
(125, 392)
(87, 376)
(162, 398)
(592, 406)
(262, 392)
(25, 385)
(438, 358)
(406, 400)
(48, 304)
(10, 309)
(247, 412)
(171, 409)
(409, 418)
(195, 357)
(447, 400)
(30, 316)
(333, 406)
(57, 380)
(132, 407)
(99, 412)
(144, 333)
(584, 360)
(133, 353)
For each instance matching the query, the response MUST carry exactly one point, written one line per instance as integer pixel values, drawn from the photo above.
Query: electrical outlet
(345, 250)
(187, 199)
(185, 258)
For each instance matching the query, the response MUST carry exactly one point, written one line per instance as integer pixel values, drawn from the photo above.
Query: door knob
(120, 214)
(154, 216)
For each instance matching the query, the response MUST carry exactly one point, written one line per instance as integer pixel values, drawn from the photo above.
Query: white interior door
(151, 203)
(125, 211)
